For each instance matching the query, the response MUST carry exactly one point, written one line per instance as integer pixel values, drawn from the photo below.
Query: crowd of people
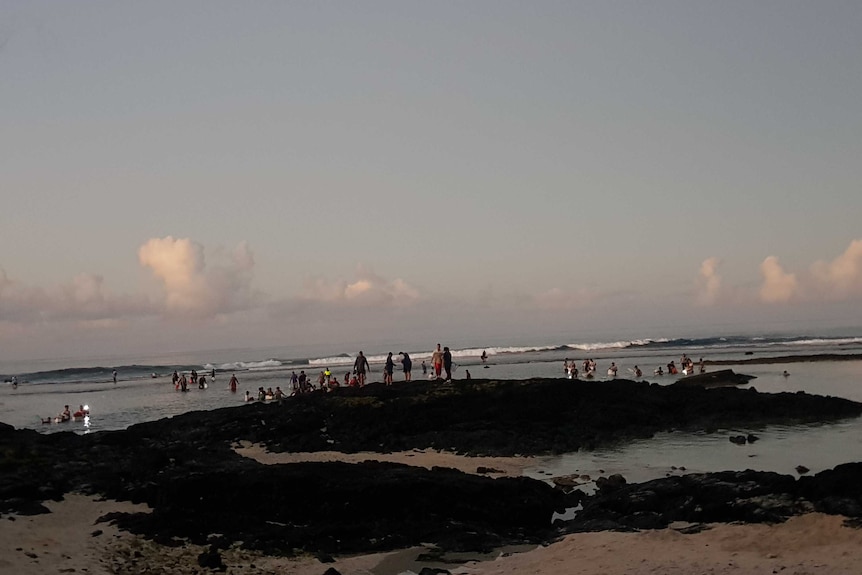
(589, 368)
(440, 369)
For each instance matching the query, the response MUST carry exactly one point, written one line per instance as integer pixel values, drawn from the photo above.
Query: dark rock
(96, 533)
(738, 439)
(484, 470)
(185, 469)
(211, 559)
(752, 438)
(332, 571)
(720, 378)
(802, 470)
(612, 483)
(434, 571)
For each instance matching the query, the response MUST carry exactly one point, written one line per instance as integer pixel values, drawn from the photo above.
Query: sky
(202, 175)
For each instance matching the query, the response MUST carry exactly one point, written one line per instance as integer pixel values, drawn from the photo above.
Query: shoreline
(802, 358)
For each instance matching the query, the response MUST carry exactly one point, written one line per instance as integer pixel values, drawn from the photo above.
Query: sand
(500, 466)
(69, 540)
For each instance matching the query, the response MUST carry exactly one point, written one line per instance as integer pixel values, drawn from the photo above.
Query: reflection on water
(778, 448)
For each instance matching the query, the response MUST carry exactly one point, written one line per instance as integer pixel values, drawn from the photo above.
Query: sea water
(144, 392)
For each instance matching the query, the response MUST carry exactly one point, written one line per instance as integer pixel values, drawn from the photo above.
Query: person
(638, 372)
(447, 363)
(360, 366)
(407, 363)
(574, 371)
(566, 369)
(279, 395)
(484, 356)
(303, 381)
(202, 382)
(702, 366)
(294, 381)
(785, 374)
(612, 370)
(388, 369)
(261, 394)
(347, 378)
(81, 412)
(115, 376)
(175, 379)
(467, 373)
(212, 374)
(248, 396)
(14, 382)
(658, 371)
(437, 361)
(65, 415)
(424, 368)
(321, 379)
(328, 375)
(194, 377)
(233, 383)
(184, 383)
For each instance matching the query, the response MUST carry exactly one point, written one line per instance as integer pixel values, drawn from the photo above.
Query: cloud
(84, 298)
(778, 286)
(708, 284)
(367, 290)
(191, 287)
(842, 277)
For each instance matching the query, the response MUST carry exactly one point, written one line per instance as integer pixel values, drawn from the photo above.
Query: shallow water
(780, 448)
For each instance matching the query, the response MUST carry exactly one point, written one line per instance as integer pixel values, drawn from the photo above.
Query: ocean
(144, 392)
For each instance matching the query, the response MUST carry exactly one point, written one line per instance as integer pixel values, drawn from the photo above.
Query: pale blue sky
(476, 167)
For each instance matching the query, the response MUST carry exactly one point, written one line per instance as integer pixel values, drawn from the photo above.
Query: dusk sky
(196, 175)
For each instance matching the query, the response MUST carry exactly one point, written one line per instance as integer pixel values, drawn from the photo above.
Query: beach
(69, 540)
(417, 434)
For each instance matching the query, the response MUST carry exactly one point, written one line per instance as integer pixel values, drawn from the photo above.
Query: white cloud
(192, 288)
(83, 298)
(778, 286)
(842, 277)
(708, 284)
(367, 290)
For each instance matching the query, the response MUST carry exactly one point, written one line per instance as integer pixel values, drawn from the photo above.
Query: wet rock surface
(202, 491)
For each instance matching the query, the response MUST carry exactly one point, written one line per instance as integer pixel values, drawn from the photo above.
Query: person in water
(484, 356)
(233, 383)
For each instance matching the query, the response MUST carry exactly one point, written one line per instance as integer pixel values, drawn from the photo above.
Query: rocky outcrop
(202, 491)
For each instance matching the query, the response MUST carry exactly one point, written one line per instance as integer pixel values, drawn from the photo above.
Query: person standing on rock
(408, 365)
(360, 366)
(388, 369)
(437, 361)
(447, 363)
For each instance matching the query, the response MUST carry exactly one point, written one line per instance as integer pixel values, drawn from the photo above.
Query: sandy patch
(64, 542)
(504, 466)
(67, 540)
(809, 544)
